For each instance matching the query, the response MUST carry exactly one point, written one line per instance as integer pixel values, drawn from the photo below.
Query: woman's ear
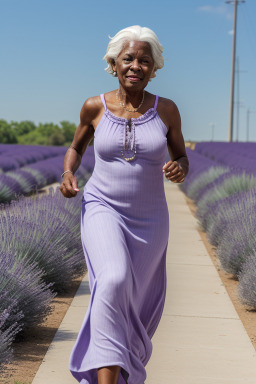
(153, 73)
(113, 65)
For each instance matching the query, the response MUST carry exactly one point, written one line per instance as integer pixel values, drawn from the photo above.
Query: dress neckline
(149, 114)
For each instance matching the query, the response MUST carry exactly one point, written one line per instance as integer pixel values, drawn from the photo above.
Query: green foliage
(23, 127)
(33, 138)
(68, 130)
(26, 132)
(7, 135)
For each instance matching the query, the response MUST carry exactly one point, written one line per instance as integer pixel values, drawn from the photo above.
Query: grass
(20, 382)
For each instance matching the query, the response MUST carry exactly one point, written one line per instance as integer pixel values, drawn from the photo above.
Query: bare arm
(176, 169)
(83, 135)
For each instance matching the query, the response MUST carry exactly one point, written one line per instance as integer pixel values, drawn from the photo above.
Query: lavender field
(40, 236)
(222, 183)
(40, 245)
(26, 168)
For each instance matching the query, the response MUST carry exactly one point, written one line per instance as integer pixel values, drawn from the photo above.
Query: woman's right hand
(68, 186)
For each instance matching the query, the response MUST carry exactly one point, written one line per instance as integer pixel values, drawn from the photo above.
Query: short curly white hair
(136, 33)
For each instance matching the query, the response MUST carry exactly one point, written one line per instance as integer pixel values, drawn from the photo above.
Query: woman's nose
(135, 64)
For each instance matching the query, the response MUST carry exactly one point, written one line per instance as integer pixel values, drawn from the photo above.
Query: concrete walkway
(200, 338)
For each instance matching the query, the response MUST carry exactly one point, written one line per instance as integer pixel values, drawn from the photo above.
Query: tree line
(27, 132)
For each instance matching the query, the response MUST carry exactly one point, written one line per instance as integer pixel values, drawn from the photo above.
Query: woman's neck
(130, 96)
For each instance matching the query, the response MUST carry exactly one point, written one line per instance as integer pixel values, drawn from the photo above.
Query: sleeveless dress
(124, 232)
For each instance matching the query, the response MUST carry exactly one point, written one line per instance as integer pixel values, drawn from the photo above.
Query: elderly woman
(125, 218)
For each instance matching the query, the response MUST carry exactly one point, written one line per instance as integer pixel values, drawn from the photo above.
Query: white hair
(136, 33)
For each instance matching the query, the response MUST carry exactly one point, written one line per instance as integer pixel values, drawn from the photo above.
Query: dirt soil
(29, 353)
(246, 314)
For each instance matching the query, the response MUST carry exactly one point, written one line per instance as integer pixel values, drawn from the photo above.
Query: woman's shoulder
(168, 111)
(92, 103)
(167, 104)
(91, 107)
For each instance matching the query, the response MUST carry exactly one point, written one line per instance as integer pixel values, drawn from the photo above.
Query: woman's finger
(176, 175)
(67, 192)
(179, 180)
(74, 184)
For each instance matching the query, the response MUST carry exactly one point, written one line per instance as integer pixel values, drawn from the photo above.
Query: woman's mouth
(133, 78)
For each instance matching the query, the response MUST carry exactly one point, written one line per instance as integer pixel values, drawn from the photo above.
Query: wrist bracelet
(66, 172)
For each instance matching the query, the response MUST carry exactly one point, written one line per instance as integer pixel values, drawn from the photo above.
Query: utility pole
(238, 100)
(231, 110)
(238, 104)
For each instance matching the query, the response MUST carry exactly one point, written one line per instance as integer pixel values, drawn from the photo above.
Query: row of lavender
(235, 154)
(15, 156)
(41, 253)
(33, 167)
(224, 189)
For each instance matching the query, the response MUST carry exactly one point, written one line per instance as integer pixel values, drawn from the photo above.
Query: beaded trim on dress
(148, 115)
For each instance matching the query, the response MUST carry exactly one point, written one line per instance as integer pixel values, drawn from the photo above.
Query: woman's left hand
(173, 172)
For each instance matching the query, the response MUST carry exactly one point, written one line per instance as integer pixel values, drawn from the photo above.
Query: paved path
(200, 338)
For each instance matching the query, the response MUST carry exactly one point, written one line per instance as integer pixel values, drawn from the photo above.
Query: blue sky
(51, 59)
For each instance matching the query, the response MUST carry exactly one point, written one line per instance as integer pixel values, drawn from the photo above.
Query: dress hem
(99, 365)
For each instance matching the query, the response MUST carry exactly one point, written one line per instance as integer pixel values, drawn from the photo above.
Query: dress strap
(103, 101)
(156, 102)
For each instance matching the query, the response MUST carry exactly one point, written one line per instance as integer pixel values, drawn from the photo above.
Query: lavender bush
(197, 165)
(25, 287)
(224, 186)
(203, 180)
(8, 333)
(46, 230)
(229, 211)
(247, 281)
(236, 244)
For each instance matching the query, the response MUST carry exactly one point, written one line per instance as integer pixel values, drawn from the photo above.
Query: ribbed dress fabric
(124, 232)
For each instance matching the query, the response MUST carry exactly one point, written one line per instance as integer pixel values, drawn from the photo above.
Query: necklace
(123, 104)
(129, 145)
(129, 140)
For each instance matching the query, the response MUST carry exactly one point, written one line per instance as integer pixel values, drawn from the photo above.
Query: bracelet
(66, 172)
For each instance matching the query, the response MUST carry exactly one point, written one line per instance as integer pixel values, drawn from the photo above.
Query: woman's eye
(126, 59)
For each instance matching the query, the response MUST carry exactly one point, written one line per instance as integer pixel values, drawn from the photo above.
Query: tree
(68, 130)
(57, 138)
(7, 135)
(33, 138)
(47, 129)
(23, 127)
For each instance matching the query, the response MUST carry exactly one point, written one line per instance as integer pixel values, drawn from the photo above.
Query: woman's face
(134, 65)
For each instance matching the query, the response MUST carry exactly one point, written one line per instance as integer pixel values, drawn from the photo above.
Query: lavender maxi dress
(124, 231)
